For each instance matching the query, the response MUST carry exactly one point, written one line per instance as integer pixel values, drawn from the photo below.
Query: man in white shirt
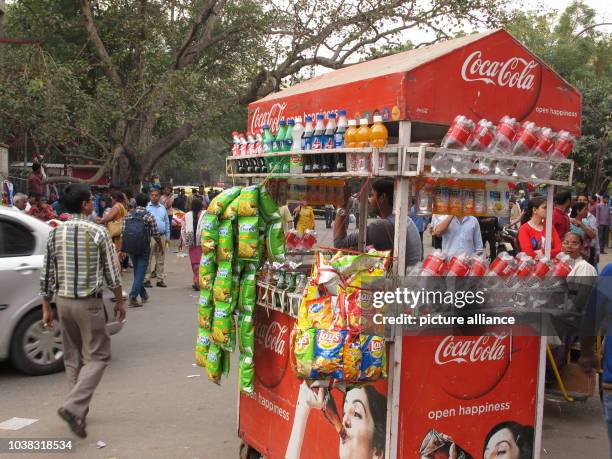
(20, 201)
(459, 234)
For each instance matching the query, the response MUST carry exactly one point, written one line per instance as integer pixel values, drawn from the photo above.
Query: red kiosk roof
(485, 75)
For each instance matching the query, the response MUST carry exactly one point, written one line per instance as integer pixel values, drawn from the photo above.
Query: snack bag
(248, 238)
(352, 358)
(210, 233)
(231, 347)
(231, 211)
(246, 374)
(207, 270)
(311, 292)
(205, 309)
(247, 205)
(214, 363)
(328, 352)
(235, 293)
(222, 289)
(218, 205)
(248, 294)
(225, 247)
(317, 313)
(225, 363)
(267, 206)
(373, 358)
(275, 241)
(246, 333)
(304, 352)
(222, 322)
(202, 346)
(346, 264)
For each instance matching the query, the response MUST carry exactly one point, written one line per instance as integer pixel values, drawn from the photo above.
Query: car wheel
(34, 350)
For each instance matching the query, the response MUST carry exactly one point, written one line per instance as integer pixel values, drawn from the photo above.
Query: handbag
(114, 227)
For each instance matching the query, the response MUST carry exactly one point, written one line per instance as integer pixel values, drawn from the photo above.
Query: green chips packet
(221, 327)
(205, 309)
(209, 236)
(214, 363)
(246, 333)
(202, 346)
(246, 374)
(218, 205)
(275, 241)
(222, 288)
(267, 207)
(248, 238)
(304, 347)
(207, 271)
(249, 200)
(225, 247)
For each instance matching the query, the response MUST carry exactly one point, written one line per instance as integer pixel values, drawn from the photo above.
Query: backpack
(135, 238)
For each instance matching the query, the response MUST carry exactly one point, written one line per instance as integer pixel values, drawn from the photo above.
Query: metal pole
(549, 220)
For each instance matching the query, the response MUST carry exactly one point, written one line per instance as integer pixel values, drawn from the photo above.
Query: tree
(134, 79)
(572, 44)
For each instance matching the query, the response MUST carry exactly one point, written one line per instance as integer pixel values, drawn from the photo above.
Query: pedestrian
(420, 222)
(40, 209)
(36, 180)
(139, 230)
(20, 201)
(515, 212)
(593, 203)
(79, 258)
(354, 208)
(561, 221)
(489, 228)
(190, 238)
(104, 205)
(167, 200)
(157, 256)
(113, 218)
(180, 201)
(304, 218)
(459, 234)
(602, 214)
(329, 215)
(531, 235)
(579, 224)
(591, 221)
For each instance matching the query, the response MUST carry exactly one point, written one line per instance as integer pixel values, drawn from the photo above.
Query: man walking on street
(602, 214)
(157, 256)
(79, 257)
(139, 229)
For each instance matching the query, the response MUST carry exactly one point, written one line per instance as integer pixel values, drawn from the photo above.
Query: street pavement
(148, 406)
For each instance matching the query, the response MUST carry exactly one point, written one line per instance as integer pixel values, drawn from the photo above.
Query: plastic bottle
(235, 143)
(296, 165)
(482, 137)
(307, 139)
(526, 139)
(340, 158)
(363, 141)
(267, 143)
(542, 149)
(378, 139)
(251, 148)
(279, 142)
(287, 144)
(328, 159)
(350, 141)
(563, 146)
(468, 197)
(502, 145)
(318, 142)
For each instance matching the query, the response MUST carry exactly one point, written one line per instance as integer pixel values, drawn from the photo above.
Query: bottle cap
(352, 122)
(308, 118)
(281, 123)
(320, 116)
(363, 122)
(298, 119)
(342, 113)
(291, 122)
(377, 119)
(266, 126)
(331, 116)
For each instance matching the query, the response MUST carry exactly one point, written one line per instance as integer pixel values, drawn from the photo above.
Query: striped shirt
(79, 257)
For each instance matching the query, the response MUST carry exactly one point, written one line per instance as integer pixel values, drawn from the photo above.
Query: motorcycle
(507, 241)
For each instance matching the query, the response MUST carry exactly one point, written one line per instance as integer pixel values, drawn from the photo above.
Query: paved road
(147, 407)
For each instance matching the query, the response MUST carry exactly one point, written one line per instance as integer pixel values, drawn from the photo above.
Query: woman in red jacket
(531, 233)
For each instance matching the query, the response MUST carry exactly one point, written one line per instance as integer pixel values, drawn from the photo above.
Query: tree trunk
(127, 175)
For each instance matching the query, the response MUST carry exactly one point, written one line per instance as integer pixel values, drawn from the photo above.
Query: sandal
(76, 424)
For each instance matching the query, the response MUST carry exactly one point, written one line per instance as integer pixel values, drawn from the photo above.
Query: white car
(31, 348)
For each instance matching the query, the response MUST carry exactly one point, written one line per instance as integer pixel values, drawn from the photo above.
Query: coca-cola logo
(481, 349)
(272, 332)
(271, 337)
(515, 72)
(270, 117)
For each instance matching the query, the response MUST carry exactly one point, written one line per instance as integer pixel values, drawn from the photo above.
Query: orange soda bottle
(378, 133)
(363, 134)
(350, 141)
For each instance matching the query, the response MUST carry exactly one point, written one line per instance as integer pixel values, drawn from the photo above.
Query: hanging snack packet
(205, 309)
(275, 241)
(231, 347)
(304, 352)
(208, 269)
(248, 294)
(209, 236)
(267, 206)
(248, 238)
(319, 313)
(246, 333)
(214, 363)
(311, 292)
(202, 346)
(225, 247)
(222, 289)
(352, 358)
(218, 205)
(246, 374)
(231, 211)
(328, 352)
(248, 203)
(235, 293)
(222, 322)
(373, 358)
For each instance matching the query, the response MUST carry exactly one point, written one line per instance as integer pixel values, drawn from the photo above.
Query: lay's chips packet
(328, 354)
(374, 358)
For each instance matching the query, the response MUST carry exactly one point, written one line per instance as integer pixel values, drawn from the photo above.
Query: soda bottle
(546, 139)
(525, 266)
(440, 163)
(258, 142)
(296, 164)
(286, 147)
(563, 146)
(434, 264)
(526, 139)
(502, 145)
(458, 134)
(267, 143)
(459, 266)
(482, 137)
(328, 160)
(340, 161)
(277, 147)
(251, 148)
(363, 141)
(318, 142)
(235, 143)
(244, 145)
(378, 133)
(350, 141)
(307, 139)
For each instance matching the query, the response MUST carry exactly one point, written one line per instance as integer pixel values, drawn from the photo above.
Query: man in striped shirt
(79, 258)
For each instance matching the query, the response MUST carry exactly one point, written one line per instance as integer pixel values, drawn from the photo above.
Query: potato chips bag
(246, 333)
(304, 352)
(267, 206)
(202, 346)
(218, 205)
(231, 211)
(207, 271)
(222, 322)
(304, 321)
(235, 294)
(205, 309)
(352, 358)
(275, 241)
(222, 288)
(373, 358)
(246, 374)
(248, 203)
(225, 247)
(209, 236)
(214, 364)
(318, 313)
(248, 238)
(328, 354)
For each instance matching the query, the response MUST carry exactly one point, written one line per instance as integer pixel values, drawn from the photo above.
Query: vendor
(380, 232)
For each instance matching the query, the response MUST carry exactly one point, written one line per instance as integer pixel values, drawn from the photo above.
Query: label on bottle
(494, 202)
(479, 201)
(329, 142)
(468, 201)
(317, 143)
(307, 143)
(441, 200)
(288, 143)
(267, 147)
(339, 140)
(454, 205)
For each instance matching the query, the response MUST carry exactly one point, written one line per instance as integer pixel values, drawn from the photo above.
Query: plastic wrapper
(246, 333)
(324, 274)
(222, 322)
(205, 309)
(248, 238)
(346, 264)
(214, 364)
(207, 270)
(225, 247)
(304, 320)
(222, 287)
(202, 346)
(246, 374)
(328, 354)
(267, 206)
(235, 292)
(231, 211)
(209, 237)
(218, 205)
(352, 358)
(248, 294)
(249, 200)
(225, 362)
(373, 358)
(304, 352)
(275, 241)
